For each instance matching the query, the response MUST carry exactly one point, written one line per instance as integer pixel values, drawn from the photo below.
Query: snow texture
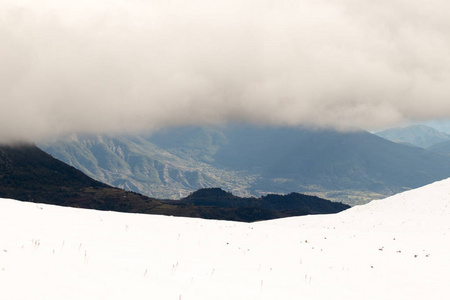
(396, 248)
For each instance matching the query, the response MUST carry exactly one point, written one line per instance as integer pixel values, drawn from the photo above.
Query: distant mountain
(29, 174)
(442, 148)
(352, 167)
(418, 135)
(136, 164)
(302, 160)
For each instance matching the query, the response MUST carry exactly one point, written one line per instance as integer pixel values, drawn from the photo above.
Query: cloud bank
(111, 66)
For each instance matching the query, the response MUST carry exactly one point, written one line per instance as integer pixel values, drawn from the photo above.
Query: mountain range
(418, 135)
(352, 167)
(421, 136)
(29, 174)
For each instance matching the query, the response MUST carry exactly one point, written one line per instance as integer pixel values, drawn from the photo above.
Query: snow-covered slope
(396, 248)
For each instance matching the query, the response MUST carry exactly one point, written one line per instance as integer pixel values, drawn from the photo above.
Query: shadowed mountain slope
(302, 203)
(29, 174)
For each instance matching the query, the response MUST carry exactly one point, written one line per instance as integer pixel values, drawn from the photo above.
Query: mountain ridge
(418, 135)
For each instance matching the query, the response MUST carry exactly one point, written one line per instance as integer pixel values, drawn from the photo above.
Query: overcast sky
(115, 65)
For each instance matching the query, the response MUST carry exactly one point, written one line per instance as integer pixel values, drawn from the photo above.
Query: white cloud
(68, 66)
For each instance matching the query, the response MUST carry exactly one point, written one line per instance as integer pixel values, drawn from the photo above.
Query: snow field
(396, 248)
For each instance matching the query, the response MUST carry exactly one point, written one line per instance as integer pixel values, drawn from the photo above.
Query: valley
(352, 167)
